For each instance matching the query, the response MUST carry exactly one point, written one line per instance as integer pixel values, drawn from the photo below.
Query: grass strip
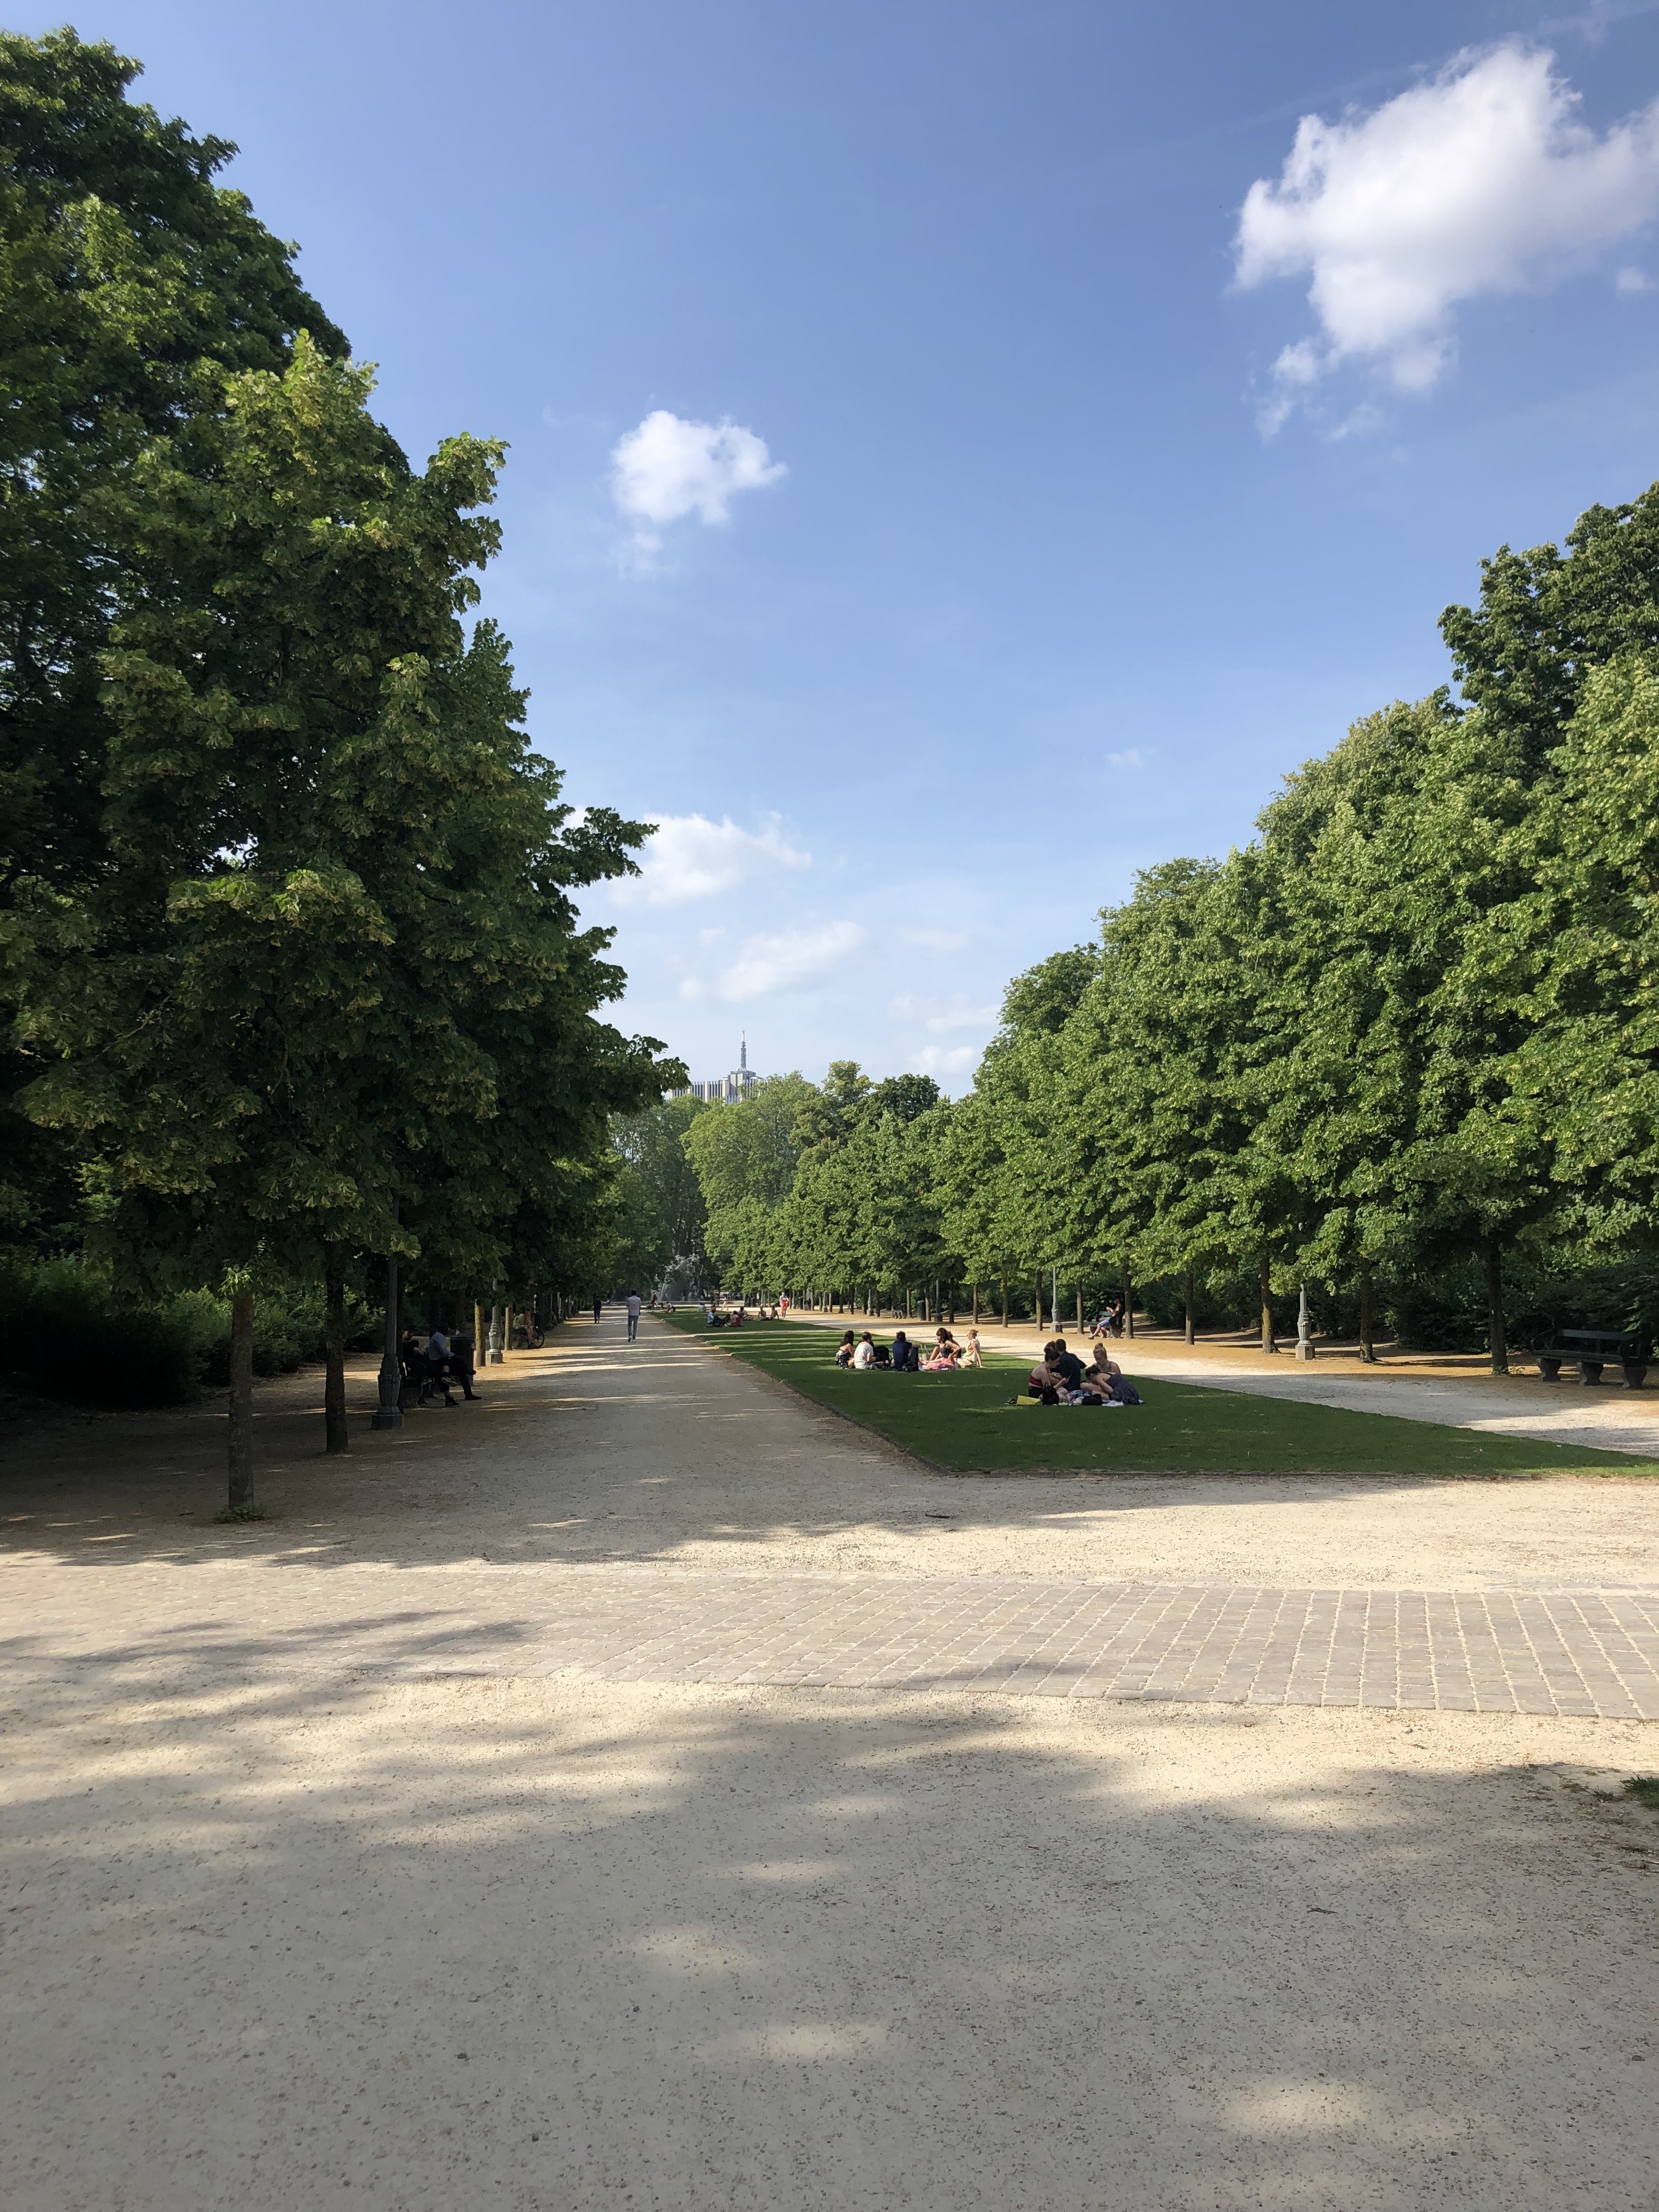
(963, 1422)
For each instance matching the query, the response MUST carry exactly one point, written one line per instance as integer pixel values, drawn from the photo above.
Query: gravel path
(287, 1927)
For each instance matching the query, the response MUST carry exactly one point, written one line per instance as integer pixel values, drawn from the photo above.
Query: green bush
(287, 1331)
(66, 1333)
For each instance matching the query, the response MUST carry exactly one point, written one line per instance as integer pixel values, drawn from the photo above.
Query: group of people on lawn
(1060, 1378)
(943, 1357)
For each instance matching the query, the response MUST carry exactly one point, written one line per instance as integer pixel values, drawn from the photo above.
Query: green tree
(333, 994)
(125, 271)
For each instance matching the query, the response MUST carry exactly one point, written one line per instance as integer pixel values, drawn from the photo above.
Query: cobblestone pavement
(1593, 1655)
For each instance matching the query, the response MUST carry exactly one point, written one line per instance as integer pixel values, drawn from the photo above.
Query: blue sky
(909, 506)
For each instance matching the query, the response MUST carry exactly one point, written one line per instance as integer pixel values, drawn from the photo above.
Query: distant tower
(743, 1050)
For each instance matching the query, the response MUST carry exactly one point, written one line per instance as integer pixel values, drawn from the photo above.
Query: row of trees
(293, 964)
(1415, 1022)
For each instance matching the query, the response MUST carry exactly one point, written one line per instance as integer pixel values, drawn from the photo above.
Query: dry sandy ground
(667, 1452)
(290, 1939)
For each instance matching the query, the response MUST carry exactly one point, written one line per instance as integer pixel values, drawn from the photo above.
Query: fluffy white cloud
(937, 1060)
(669, 468)
(688, 857)
(1483, 180)
(1130, 757)
(773, 960)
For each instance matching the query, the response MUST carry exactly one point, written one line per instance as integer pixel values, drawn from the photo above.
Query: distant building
(737, 1084)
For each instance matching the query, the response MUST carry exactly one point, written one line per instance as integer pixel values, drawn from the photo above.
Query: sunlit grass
(964, 1422)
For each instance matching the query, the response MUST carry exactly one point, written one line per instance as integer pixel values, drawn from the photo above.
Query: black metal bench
(1590, 1350)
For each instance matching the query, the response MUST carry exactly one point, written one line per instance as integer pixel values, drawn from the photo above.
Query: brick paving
(1592, 1654)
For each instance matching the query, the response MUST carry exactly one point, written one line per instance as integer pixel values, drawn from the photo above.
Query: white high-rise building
(737, 1083)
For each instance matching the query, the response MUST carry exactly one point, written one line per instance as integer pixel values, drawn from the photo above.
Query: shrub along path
(965, 1423)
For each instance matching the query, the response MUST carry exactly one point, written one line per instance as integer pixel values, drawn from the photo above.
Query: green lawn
(963, 1422)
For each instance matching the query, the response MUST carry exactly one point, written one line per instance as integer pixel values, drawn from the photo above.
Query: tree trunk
(1498, 1335)
(1128, 1302)
(1039, 1304)
(1367, 1349)
(1003, 1280)
(1192, 1323)
(242, 1400)
(1079, 1309)
(335, 1435)
(1268, 1343)
(976, 1305)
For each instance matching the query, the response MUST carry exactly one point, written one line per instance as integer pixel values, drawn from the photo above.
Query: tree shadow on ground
(288, 1936)
(576, 1455)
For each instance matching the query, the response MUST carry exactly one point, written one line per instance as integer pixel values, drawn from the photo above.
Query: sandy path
(304, 1938)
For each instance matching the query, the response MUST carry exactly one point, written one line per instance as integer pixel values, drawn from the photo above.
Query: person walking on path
(633, 1315)
(597, 1302)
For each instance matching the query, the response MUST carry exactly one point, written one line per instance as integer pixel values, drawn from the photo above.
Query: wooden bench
(1590, 1350)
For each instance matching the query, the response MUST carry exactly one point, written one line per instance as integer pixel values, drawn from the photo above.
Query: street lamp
(389, 1413)
(1304, 1343)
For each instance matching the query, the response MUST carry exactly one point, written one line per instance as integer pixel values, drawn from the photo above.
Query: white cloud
(668, 468)
(688, 857)
(937, 1059)
(771, 962)
(1633, 280)
(939, 1015)
(1483, 180)
(691, 987)
(1130, 757)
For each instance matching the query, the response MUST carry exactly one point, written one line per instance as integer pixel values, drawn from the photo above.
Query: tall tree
(127, 277)
(333, 992)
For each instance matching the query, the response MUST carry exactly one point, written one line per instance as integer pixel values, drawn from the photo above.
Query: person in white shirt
(436, 1355)
(864, 1354)
(633, 1315)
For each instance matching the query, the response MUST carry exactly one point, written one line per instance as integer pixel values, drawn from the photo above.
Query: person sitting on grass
(1065, 1362)
(1105, 1376)
(844, 1349)
(1103, 1369)
(905, 1359)
(970, 1351)
(1045, 1383)
(864, 1352)
(942, 1359)
(736, 1320)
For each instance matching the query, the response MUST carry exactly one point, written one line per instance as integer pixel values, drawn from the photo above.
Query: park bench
(1592, 1349)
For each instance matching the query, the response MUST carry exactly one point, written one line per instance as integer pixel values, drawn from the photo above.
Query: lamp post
(493, 1354)
(1304, 1343)
(389, 1413)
